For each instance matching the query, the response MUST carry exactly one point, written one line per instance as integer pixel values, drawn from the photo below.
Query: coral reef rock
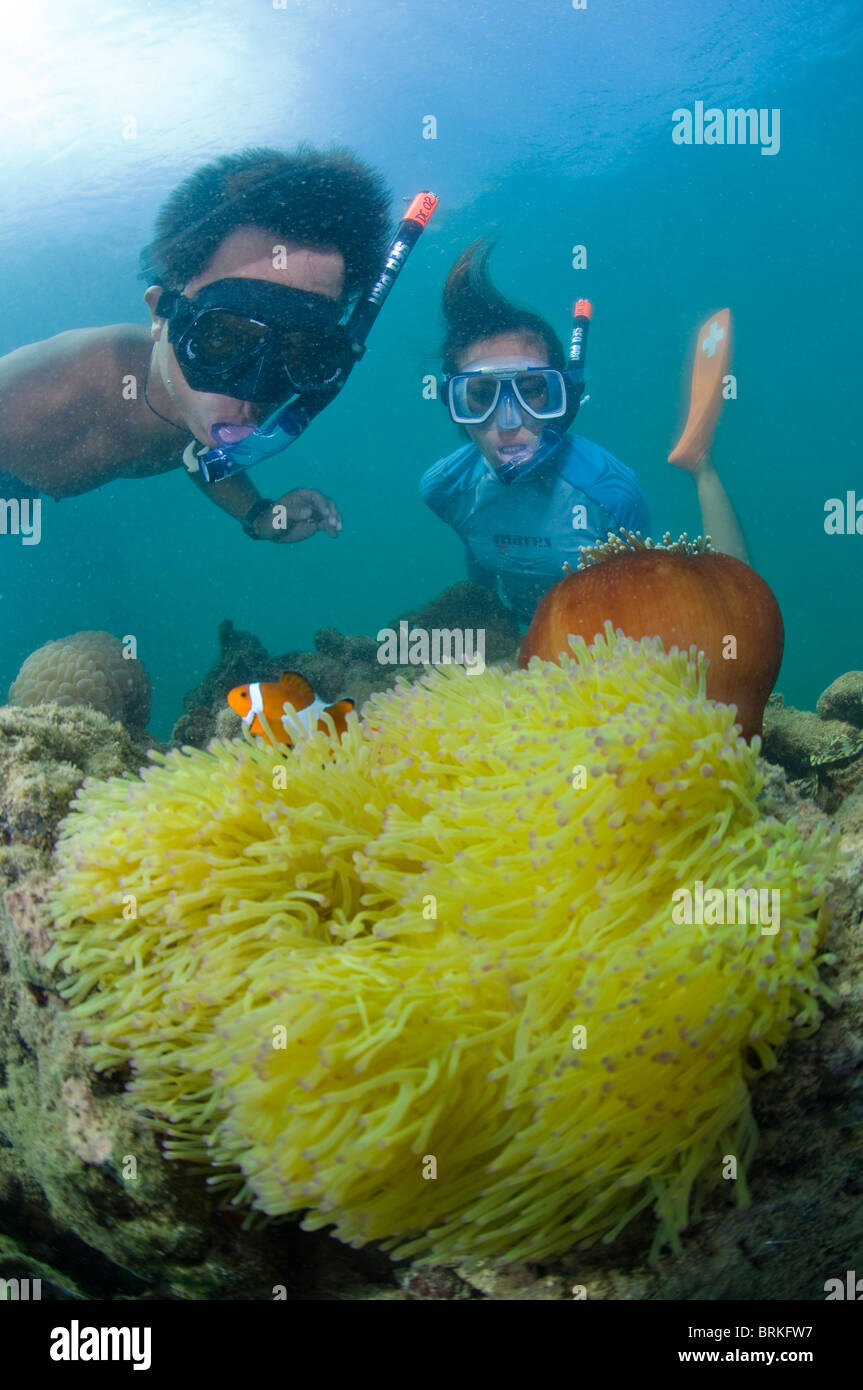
(88, 668)
(843, 699)
(822, 754)
(340, 665)
(45, 754)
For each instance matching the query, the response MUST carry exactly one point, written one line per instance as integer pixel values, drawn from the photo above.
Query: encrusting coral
(46, 752)
(331, 966)
(843, 699)
(87, 668)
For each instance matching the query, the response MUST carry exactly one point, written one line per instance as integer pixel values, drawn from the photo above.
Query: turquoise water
(554, 129)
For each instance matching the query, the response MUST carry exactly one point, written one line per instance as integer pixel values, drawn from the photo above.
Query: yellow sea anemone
(429, 985)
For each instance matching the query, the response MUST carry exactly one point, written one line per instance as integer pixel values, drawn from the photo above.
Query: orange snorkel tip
(421, 208)
(582, 311)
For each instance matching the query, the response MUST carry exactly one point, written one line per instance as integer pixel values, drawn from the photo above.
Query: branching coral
(333, 966)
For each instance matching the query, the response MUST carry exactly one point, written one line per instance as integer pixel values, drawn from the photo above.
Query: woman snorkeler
(523, 494)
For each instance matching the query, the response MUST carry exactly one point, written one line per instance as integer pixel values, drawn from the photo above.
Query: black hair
(320, 198)
(473, 308)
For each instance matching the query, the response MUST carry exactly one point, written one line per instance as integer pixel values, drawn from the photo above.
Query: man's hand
(298, 514)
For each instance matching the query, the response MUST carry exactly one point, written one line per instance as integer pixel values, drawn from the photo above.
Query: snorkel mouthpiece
(225, 433)
(293, 416)
(520, 463)
(272, 437)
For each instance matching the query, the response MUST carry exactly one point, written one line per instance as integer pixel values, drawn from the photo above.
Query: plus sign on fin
(712, 339)
(712, 351)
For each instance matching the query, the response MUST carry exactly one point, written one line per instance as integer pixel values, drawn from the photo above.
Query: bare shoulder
(68, 359)
(62, 413)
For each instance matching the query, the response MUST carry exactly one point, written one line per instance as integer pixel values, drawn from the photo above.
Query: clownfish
(270, 697)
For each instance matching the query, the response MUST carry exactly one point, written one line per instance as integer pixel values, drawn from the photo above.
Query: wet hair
(319, 198)
(473, 309)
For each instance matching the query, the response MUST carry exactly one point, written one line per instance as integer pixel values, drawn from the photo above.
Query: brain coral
(354, 975)
(88, 668)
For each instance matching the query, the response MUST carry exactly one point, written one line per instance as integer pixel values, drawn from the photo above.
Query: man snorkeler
(523, 495)
(255, 259)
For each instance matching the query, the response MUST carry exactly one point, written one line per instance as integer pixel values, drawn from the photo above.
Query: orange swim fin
(712, 352)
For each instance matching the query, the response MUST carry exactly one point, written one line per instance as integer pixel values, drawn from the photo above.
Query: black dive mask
(255, 340)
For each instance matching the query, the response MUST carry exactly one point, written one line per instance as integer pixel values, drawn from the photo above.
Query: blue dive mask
(513, 395)
(473, 397)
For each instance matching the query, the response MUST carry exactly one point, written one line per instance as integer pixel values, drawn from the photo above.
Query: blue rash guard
(518, 537)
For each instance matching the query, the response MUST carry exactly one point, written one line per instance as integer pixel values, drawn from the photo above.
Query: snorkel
(582, 312)
(294, 415)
